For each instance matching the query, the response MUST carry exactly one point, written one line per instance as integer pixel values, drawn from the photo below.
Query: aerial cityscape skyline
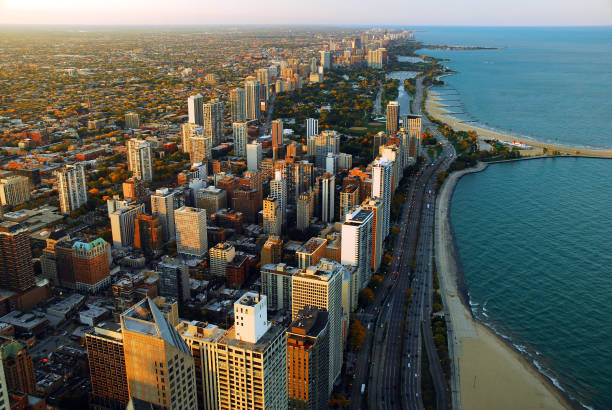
(343, 215)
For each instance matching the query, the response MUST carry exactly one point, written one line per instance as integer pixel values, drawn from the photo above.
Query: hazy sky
(391, 12)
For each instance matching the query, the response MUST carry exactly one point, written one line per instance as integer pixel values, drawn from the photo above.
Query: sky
(310, 12)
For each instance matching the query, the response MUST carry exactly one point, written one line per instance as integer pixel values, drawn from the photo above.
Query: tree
(366, 296)
(357, 334)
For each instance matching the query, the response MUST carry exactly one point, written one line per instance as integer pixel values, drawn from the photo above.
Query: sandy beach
(436, 110)
(486, 372)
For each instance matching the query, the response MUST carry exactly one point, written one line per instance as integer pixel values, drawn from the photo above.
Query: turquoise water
(551, 84)
(535, 237)
(535, 241)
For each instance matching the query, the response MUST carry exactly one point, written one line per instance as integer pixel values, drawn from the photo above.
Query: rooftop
(229, 338)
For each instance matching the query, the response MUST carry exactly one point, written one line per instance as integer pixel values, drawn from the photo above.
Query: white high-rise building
(163, 203)
(326, 62)
(191, 236)
(240, 130)
(14, 190)
(325, 143)
(122, 222)
(252, 100)
(254, 155)
(356, 247)
(237, 104)
(252, 359)
(139, 159)
(331, 163)
(72, 187)
(313, 65)
(321, 286)
(382, 173)
(278, 190)
(213, 120)
(376, 206)
(195, 109)
(312, 127)
(328, 194)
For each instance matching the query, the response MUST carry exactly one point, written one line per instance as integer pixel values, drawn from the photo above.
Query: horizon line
(346, 25)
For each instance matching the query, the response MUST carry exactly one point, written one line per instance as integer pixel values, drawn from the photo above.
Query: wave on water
(480, 124)
(529, 356)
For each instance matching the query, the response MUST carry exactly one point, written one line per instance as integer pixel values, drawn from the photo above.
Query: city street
(391, 355)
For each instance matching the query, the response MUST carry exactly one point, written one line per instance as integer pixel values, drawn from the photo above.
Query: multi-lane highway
(390, 362)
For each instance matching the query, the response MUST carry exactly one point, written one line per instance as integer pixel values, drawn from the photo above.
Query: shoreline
(487, 371)
(435, 108)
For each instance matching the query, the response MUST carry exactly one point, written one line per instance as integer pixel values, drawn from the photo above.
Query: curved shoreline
(477, 350)
(435, 108)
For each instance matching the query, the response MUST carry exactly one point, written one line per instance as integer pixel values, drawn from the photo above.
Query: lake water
(535, 237)
(549, 84)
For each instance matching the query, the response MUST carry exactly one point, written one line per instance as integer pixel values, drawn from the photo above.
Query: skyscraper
(220, 255)
(72, 187)
(278, 190)
(202, 339)
(272, 219)
(376, 206)
(252, 99)
(200, 148)
(90, 261)
(392, 117)
(325, 143)
(241, 139)
(18, 366)
(122, 223)
(163, 203)
(276, 284)
(312, 127)
(173, 279)
(139, 159)
(349, 198)
(251, 357)
(191, 237)
(277, 133)
(16, 265)
(14, 190)
(158, 364)
(414, 125)
(263, 76)
(321, 286)
(189, 130)
(109, 388)
(237, 104)
(325, 59)
(382, 174)
(308, 359)
(254, 155)
(195, 109)
(213, 120)
(304, 210)
(148, 234)
(328, 195)
(357, 244)
(132, 121)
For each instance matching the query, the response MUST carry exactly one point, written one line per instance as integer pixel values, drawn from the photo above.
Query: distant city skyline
(344, 12)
